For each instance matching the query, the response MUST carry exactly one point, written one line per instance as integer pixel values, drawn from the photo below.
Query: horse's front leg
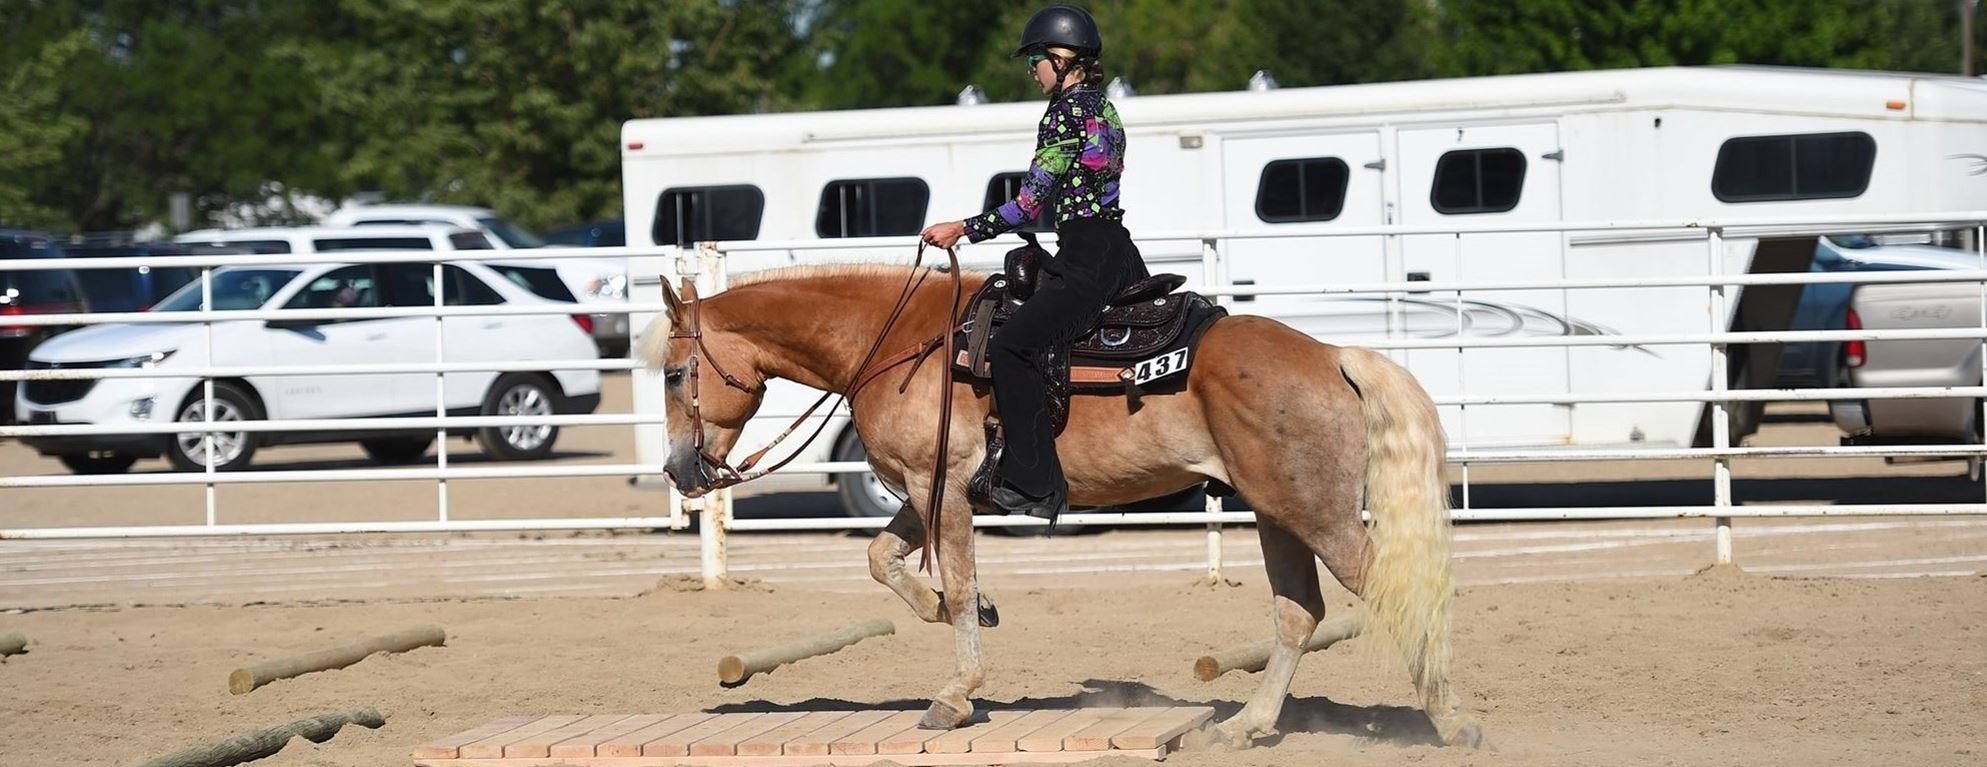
(953, 705)
(904, 534)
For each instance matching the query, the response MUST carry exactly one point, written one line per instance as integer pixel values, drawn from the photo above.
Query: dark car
(131, 289)
(599, 234)
(31, 292)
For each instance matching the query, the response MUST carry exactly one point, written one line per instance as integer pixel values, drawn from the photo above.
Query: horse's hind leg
(1296, 607)
(905, 534)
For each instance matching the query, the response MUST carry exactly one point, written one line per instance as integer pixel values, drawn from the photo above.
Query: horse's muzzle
(689, 477)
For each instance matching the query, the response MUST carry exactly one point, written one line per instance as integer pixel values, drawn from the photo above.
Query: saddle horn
(1022, 266)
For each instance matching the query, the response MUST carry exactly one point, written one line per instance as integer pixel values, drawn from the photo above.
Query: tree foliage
(1513, 36)
(518, 104)
(109, 107)
(34, 129)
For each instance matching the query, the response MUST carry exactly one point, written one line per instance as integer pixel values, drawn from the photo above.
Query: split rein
(727, 476)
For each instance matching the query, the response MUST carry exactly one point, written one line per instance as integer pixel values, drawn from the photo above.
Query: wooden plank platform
(803, 738)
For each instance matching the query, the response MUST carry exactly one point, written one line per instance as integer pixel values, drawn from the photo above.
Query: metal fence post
(441, 390)
(714, 527)
(1721, 426)
(207, 392)
(1211, 276)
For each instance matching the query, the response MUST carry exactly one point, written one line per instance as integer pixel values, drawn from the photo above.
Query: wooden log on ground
(250, 677)
(735, 669)
(12, 644)
(260, 743)
(1254, 657)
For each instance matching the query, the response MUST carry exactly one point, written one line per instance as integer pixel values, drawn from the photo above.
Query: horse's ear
(673, 302)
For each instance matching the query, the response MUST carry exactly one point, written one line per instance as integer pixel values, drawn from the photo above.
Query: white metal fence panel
(706, 265)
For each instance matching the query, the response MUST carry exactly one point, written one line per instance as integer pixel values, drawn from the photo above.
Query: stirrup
(1049, 508)
(979, 489)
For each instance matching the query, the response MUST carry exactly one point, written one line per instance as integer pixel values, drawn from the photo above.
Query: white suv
(587, 280)
(170, 347)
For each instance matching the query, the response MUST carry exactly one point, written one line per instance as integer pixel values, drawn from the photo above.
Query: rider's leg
(1090, 267)
(1019, 350)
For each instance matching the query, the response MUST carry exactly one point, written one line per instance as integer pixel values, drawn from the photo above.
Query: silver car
(1913, 363)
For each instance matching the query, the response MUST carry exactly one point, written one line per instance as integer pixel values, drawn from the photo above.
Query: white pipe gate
(705, 265)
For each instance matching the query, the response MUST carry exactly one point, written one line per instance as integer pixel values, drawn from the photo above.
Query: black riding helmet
(1061, 25)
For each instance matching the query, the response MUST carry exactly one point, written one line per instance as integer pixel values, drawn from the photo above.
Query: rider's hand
(944, 234)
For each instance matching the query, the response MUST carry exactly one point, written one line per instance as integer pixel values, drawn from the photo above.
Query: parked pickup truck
(1897, 363)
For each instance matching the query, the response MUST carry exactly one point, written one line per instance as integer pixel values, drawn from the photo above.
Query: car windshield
(234, 290)
(510, 233)
(544, 283)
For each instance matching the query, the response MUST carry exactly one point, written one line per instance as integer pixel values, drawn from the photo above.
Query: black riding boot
(1095, 261)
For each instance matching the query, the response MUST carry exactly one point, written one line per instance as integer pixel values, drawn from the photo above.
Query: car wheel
(99, 462)
(519, 395)
(231, 450)
(396, 450)
(863, 495)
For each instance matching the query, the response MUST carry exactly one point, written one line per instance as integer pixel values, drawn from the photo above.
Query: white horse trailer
(1379, 183)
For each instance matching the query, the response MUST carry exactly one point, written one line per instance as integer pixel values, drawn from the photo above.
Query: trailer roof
(1740, 88)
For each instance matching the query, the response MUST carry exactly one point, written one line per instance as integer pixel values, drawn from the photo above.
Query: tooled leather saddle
(1143, 342)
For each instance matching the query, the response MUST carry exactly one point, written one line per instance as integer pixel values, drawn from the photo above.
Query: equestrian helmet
(1064, 26)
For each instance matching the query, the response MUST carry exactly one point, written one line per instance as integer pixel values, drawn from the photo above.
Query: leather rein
(727, 476)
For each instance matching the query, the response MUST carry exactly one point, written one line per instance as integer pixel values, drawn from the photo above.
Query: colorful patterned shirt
(1079, 155)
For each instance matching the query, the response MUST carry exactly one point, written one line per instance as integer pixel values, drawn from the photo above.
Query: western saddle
(1143, 342)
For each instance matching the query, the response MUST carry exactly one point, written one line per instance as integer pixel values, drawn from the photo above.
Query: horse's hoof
(941, 717)
(1228, 736)
(1470, 736)
(989, 615)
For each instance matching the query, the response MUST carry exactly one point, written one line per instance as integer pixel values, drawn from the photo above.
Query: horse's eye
(673, 377)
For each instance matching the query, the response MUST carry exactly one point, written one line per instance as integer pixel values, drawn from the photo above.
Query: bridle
(724, 475)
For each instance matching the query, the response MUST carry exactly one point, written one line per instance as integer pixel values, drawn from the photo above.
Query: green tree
(1481, 37)
(518, 104)
(172, 97)
(887, 53)
(1329, 42)
(1157, 46)
(34, 128)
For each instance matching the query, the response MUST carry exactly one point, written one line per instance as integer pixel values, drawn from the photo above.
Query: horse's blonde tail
(1406, 582)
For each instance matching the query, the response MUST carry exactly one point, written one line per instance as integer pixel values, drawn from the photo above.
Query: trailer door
(1329, 181)
(1472, 176)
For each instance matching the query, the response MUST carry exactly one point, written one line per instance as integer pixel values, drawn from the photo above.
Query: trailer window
(1308, 189)
(1478, 181)
(1812, 166)
(872, 207)
(1003, 187)
(697, 214)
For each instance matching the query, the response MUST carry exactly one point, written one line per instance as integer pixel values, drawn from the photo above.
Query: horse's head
(713, 386)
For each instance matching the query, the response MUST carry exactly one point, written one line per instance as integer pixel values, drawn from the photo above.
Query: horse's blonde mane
(652, 346)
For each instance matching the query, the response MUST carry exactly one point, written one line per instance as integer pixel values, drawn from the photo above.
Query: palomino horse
(1306, 431)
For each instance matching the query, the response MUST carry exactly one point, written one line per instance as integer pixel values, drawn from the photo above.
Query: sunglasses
(1036, 58)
